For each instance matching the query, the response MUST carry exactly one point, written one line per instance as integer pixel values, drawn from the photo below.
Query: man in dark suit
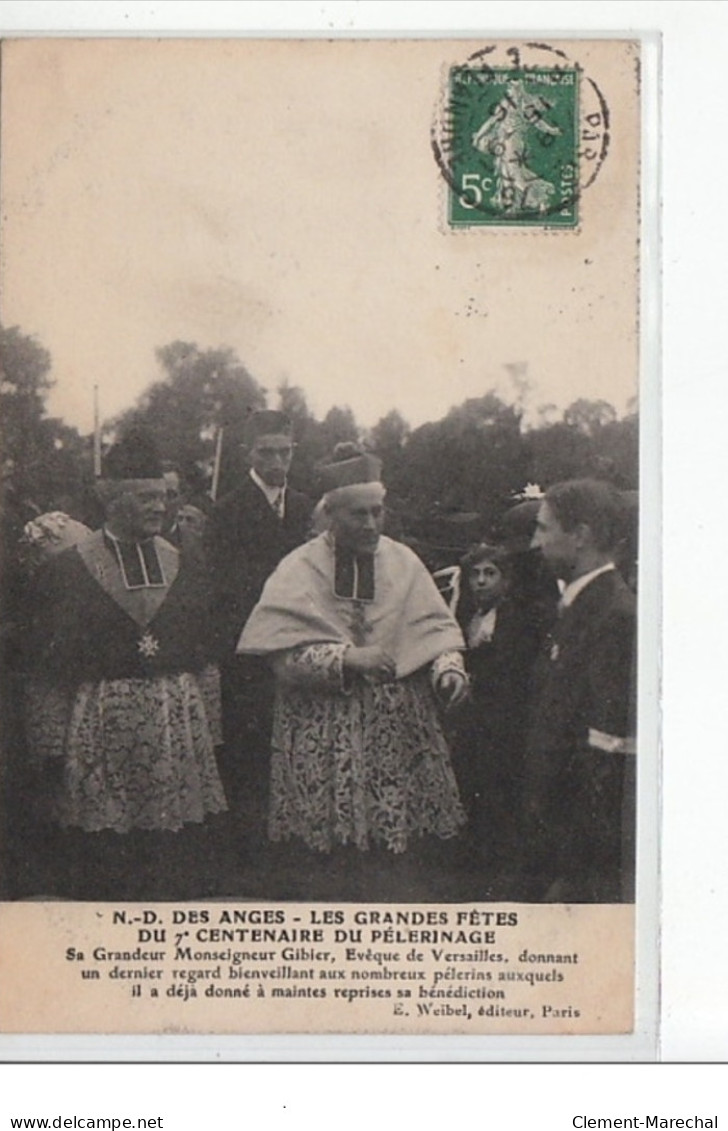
(580, 745)
(250, 531)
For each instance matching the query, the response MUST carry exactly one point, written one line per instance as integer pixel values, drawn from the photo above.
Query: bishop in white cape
(366, 654)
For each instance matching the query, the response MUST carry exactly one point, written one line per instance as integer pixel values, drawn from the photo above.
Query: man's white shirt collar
(572, 591)
(272, 494)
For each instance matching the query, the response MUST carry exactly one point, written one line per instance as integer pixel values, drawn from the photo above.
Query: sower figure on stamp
(119, 635)
(251, 529)
(580, 728)
(363, 647)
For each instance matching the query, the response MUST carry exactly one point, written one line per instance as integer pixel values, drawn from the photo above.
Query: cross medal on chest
(148, 645)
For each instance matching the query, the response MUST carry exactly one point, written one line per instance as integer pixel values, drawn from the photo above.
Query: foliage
(201, 391)
(306, 433)
(387, 439)
(337, 426)
(45, 462)
(468, 461)
(450, 478)
(315, 440)
(589, 416)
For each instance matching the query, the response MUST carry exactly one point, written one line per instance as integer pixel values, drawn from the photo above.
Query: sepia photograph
(320, 426)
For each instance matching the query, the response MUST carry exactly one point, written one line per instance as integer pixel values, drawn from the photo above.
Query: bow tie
(138, 561)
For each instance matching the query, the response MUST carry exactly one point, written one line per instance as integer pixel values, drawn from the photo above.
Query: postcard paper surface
(424, 253)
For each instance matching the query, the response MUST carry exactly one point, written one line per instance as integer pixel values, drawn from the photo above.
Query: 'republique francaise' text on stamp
(513, 141)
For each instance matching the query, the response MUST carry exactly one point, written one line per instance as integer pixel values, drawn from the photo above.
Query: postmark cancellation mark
(518, 143)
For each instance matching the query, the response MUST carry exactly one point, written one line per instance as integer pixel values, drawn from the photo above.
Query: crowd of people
(235, 699)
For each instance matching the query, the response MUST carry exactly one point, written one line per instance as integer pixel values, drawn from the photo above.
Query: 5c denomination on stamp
(520, 133)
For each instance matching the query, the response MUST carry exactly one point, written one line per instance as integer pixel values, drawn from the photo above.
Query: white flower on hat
(530, 491)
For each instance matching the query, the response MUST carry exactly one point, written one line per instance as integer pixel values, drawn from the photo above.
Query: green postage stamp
(515, 146)
(519, 133)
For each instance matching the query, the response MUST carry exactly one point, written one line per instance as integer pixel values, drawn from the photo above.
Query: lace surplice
(355, 761)
(139, 755)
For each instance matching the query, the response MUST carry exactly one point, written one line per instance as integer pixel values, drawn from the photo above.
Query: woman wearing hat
(364, 649)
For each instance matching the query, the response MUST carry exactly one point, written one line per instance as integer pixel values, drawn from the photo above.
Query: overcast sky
(281, 198)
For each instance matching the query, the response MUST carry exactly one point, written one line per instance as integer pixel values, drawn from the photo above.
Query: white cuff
(447, 662)
(611, 743)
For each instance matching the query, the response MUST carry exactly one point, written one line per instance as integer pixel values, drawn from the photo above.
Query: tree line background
(448, 480)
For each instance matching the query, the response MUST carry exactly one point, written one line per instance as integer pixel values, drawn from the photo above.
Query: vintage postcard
(321, 496)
